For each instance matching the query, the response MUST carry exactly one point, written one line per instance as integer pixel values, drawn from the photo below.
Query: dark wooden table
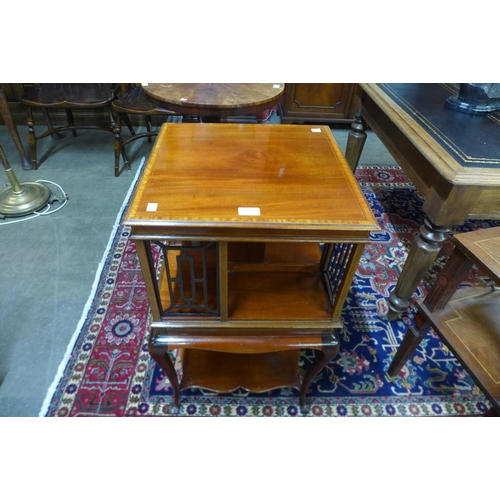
(11, 127)
(452, 158)
(237, 214)
(214, 100)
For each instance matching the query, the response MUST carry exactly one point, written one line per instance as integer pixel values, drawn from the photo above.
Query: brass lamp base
(21, 198)
(31, 197)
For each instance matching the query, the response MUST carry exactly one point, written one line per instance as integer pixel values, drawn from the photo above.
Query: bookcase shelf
(276, 296)
(287, 284)
(226, 372)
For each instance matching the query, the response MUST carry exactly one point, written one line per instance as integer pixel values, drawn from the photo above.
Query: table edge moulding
(240, 295)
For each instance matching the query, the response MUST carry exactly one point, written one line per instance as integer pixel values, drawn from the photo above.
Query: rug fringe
(69, 349)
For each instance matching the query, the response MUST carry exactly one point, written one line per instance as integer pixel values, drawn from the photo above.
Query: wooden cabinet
(318, 102)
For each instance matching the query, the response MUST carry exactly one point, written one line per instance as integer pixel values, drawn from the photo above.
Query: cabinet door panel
(318, 102)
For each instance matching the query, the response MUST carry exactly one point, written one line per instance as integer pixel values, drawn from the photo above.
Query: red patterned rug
(108, 370)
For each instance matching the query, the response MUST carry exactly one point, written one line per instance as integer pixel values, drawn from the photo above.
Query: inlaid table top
(252, 180)
(483, 248)
(214, 99)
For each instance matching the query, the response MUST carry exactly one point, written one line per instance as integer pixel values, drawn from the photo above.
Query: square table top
(248, 179)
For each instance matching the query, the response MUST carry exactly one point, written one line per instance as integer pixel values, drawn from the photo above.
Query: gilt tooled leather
(472, 140)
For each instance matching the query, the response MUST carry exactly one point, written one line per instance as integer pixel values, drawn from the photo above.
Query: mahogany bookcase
(248, 236)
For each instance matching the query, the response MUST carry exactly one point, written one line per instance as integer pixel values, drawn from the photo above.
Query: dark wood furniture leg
(423, 252)
(330, 349)
(411, 340)
(160, 354)
(121, 150)
(48, 121)
(355, 142)
(32, 137)
(71, 121)
(446, 285)
(127, 121)
(118, 146)
(11, 127)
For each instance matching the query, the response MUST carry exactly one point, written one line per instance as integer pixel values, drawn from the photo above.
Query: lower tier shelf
(226, 372)
(254, 360)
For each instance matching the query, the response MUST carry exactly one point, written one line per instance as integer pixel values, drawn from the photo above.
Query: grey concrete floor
(48, 264)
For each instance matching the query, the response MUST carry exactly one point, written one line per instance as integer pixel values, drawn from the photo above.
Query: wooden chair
(465, 319)
(134, 102)
(67, 96)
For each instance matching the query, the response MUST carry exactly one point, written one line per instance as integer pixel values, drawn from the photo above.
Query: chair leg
(32, 138)
(127, 121)
(118, 147)
(48, 122)
(148, 126)
(71, 120)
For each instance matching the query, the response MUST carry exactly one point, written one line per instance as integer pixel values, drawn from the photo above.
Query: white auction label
(248, 211)
(315, 130)
(152, 207)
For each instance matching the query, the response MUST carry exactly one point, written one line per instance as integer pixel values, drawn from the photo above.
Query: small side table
(466, 319)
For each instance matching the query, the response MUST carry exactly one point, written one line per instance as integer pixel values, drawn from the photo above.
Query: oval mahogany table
(214, 99)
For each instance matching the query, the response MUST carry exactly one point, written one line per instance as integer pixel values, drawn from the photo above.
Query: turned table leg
(423, 252)
(446, 285)
(355, 142)
(330, 349)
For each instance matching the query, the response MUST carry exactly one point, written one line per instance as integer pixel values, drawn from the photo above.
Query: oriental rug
(108, 370)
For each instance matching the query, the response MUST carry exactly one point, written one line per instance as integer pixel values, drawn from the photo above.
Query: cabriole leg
(330, 349)
(160, 354)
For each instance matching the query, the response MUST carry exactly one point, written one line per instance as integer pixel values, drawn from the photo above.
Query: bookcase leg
(329, 350)
(160, 354)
